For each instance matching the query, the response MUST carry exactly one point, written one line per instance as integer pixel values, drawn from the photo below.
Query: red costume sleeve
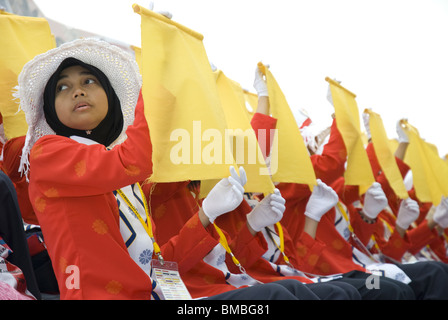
(394, 246)
(309, 252)
(296, 196)
(376, 168)
(439, 248)
(191, 245)
(262, 125)
(421, 236)
(362, 229)
(347, 193)
(247, 248)
(328, 253)
(330, 165)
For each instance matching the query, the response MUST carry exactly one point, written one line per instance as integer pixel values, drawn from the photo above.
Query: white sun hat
(118, 65)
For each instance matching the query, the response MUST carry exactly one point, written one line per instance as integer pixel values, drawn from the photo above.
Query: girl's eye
(89, 81)
(61, 87)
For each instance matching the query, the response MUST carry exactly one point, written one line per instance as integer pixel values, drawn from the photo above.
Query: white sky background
(393, 54)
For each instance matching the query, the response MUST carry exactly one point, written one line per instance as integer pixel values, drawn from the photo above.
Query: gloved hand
(226, 195)
(329, 96)
(267, 212)
(374, 201)
(366, 118)
(441, 214)
(260, 84)
(402, 135)
(309, 137)
(408, 213)
(322, 199)
(167, 14)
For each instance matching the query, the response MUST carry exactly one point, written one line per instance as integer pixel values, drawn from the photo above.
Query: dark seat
(11, 230)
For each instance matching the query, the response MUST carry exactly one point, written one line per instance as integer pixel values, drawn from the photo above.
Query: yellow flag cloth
(246, 150)
(359, 171)
(385, 155)
(250, 99)
(237, 90)
(290, 160)
(182, 106)
(393, 145)
(21, 39)
(138, 56)
(429, 172)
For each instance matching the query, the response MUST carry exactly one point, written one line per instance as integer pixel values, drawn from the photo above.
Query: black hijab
(108, 130)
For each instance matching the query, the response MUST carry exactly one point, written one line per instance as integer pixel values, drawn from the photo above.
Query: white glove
(309, 137)
(402, 135)
(267, 212)
(374, 201)
(408, 213)
(226, 195)
(329, 96)
(441, 213)
(167, 14)
(322, 199)
(260, 84)
(366, 118)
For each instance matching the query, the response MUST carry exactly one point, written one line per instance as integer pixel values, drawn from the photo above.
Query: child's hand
(267, 212)
(226, 195)
(322, 199)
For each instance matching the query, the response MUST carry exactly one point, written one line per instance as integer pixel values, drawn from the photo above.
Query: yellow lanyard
(377, 247)
(352, 233)
(223, 241)
(344, 214)
(225, 244)
(282, 244)
(147, 225)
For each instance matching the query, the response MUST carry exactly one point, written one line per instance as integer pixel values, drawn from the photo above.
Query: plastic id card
(169, 280)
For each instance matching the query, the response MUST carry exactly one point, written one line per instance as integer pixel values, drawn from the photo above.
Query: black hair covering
(108, 130)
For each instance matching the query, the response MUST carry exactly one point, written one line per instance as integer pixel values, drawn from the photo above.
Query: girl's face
(81, 102)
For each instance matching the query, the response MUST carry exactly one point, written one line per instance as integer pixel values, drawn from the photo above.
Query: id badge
(169, 281)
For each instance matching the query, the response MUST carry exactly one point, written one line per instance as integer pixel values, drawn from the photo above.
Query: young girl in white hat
(80, 100)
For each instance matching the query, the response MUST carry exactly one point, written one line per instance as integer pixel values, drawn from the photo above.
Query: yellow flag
(21, 39)
(385, 155)
(246, 150)
(429, 171)
(364, 138)
(182, 106)
(290, 160)
(393, 145)
(138, 56)
(250, 99)
(359, 171)
(445, 159)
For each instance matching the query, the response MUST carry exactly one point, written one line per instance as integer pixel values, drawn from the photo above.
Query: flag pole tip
(136, 8)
